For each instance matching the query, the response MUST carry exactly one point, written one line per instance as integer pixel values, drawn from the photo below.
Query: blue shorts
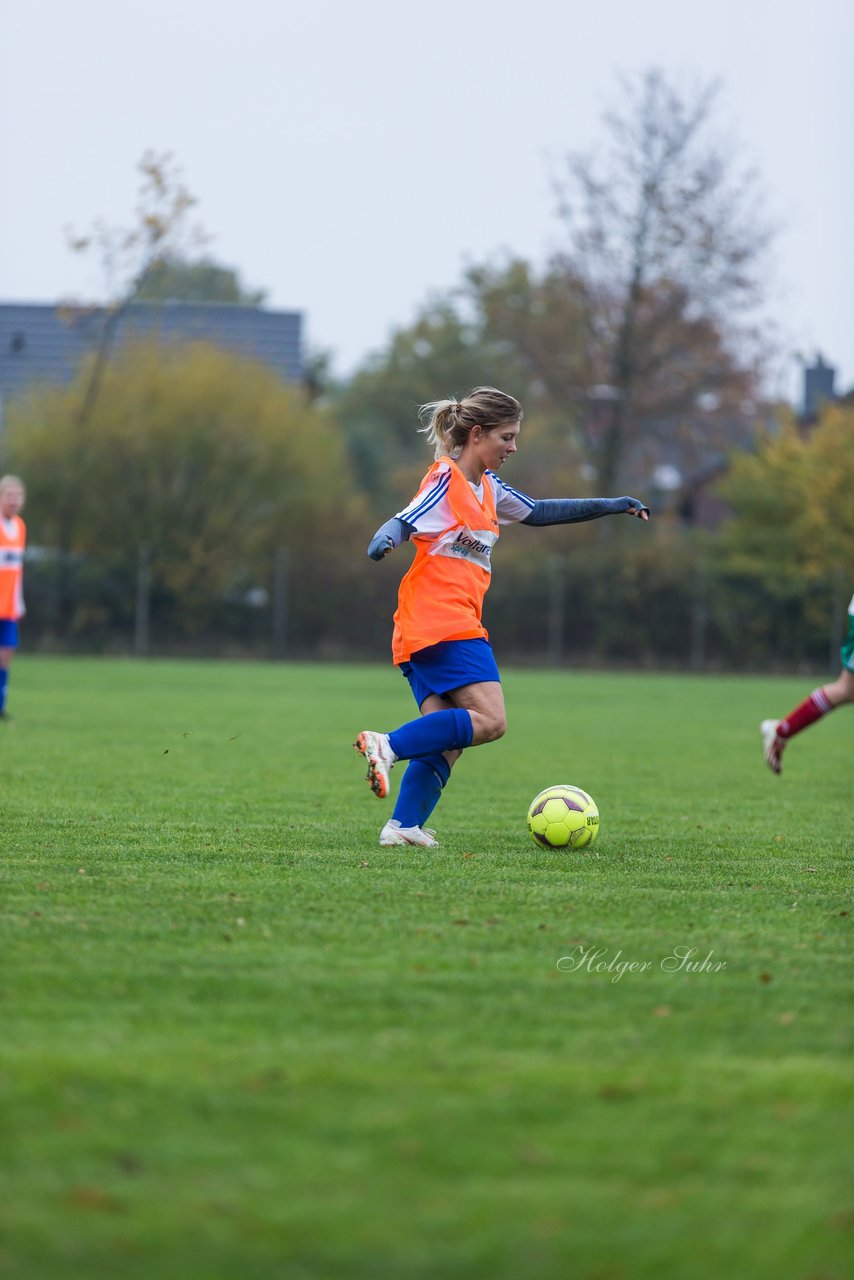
(449, 665)
(8, 634)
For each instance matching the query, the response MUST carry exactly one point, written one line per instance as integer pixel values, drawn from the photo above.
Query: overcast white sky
(351, 156)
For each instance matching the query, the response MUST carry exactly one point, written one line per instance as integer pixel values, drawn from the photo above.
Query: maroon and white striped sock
(810, 710)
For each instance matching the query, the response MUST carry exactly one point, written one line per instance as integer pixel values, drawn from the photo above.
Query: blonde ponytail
(448, 423)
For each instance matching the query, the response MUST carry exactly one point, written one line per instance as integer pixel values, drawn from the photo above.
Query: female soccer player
(13, 537)
(439, 642)
(776, 733)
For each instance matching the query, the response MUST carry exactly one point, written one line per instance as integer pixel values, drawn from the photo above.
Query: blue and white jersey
(430, 512)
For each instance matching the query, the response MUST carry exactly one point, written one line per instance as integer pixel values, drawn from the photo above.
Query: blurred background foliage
(242, 499)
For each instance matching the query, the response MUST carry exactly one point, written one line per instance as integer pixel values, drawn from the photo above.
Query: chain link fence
(603, 606)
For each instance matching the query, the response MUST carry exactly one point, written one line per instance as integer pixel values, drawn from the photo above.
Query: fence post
(143, 601)
(699, 616)
(556, 609)
(280, 602)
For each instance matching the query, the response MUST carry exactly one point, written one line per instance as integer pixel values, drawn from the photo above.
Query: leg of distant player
(5, 663)
(775, 734)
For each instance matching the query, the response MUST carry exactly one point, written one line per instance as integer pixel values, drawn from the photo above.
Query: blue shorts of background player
(8, 634)
(8, 644)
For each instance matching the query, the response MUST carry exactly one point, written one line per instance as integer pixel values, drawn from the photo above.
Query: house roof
(44, 342)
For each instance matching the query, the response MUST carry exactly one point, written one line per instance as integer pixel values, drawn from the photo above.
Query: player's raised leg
(448, 730)
(485, 704)
(427, 775)
(420, 790)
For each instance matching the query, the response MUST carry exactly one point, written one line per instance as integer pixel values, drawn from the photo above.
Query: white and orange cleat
(772, 745)
(394, 833)
(380, 757)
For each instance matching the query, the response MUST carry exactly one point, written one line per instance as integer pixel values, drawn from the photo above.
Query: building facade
(44, 343)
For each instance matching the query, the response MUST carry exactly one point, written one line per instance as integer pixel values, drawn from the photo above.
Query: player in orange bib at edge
(439, 642)
(13, 539)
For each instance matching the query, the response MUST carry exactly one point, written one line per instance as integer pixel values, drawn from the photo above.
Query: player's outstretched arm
(389, 536)
(575, 510)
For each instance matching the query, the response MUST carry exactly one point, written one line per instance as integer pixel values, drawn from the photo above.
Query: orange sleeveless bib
(11, 568)
(441, 597)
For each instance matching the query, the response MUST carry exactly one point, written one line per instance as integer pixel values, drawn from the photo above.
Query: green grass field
(241, 1040)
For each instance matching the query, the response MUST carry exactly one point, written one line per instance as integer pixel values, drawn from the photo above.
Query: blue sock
(4, 680)
(420, 790)
(439, 731)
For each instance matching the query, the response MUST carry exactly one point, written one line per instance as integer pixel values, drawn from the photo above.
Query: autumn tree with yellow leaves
(204, 458)
(793, 520)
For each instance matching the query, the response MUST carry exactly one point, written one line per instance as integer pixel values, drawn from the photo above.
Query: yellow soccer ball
(563, 817)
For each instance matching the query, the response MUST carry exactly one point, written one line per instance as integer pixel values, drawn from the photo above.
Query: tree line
(238, 496)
